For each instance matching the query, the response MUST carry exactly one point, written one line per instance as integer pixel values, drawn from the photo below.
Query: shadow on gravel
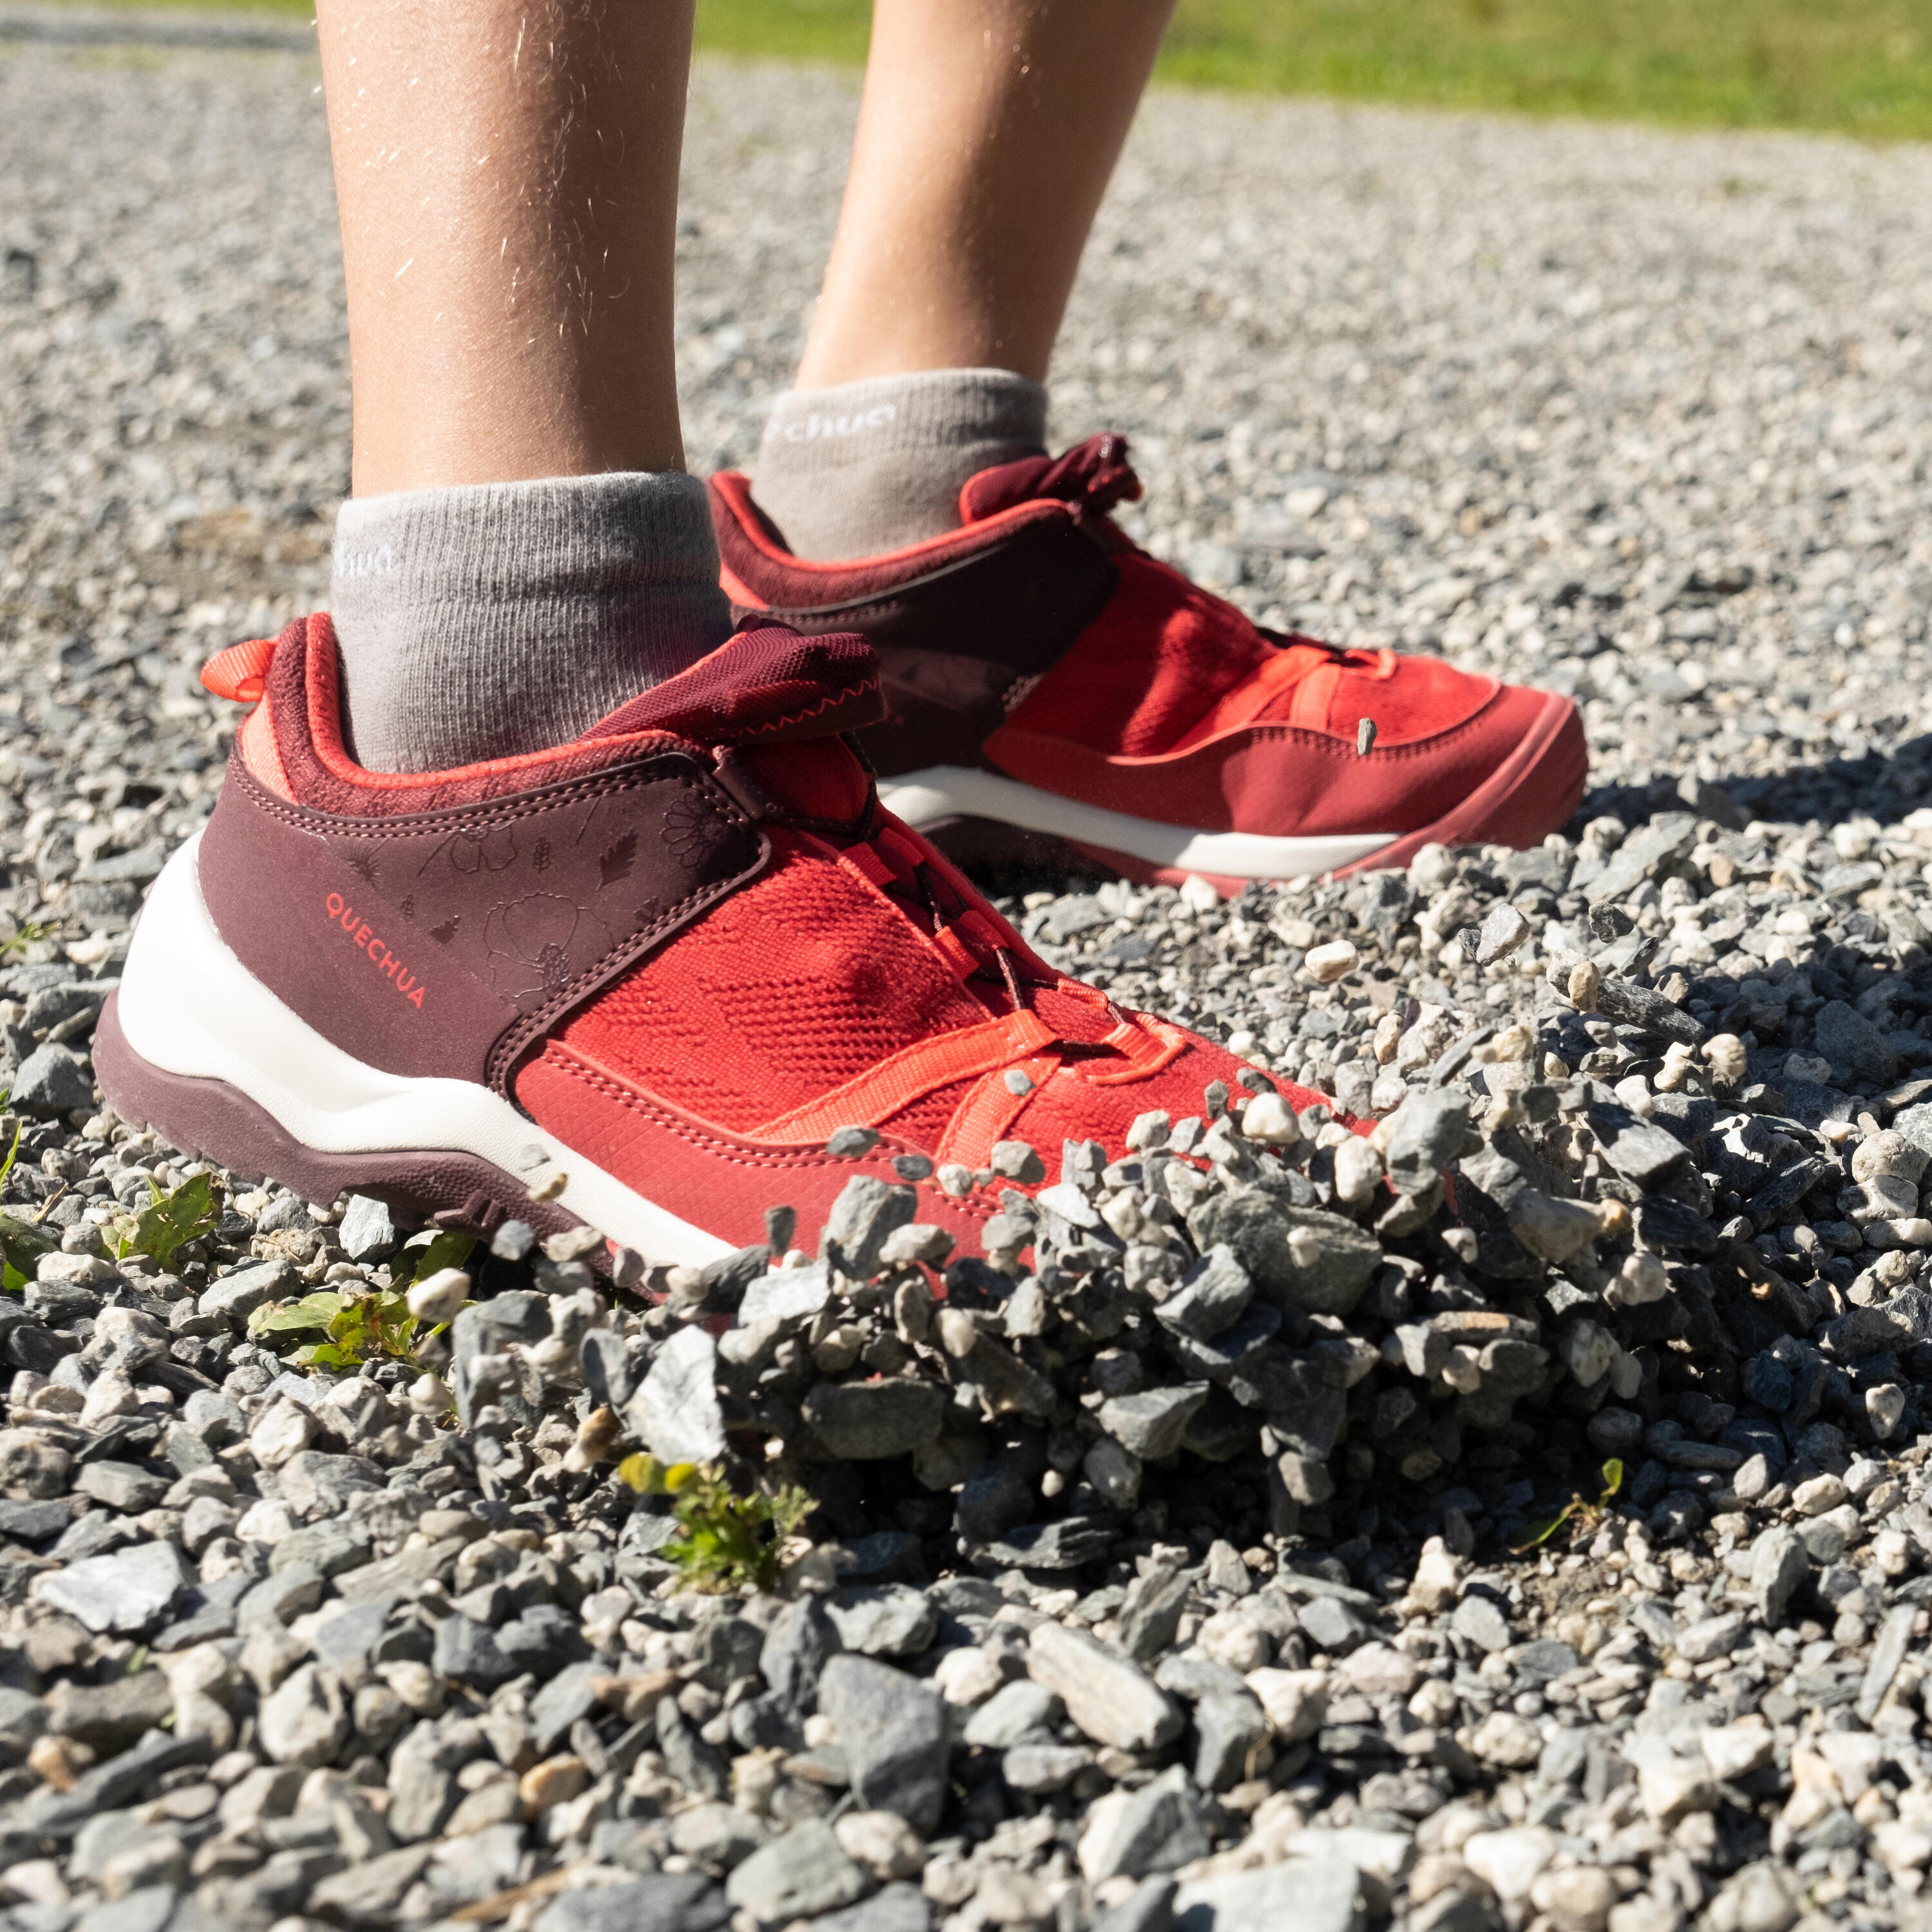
(1884, 785)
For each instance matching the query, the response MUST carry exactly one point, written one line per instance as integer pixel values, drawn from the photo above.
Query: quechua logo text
(363, 937)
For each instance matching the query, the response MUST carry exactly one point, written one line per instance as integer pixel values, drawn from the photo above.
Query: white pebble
(1327, 964)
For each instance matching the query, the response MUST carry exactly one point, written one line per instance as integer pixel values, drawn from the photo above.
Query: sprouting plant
(1579, 1512)
(22, 1243)
(28, 933)
(420, 1258)
(351, 1326)
(728, 1541)
(169, 1222)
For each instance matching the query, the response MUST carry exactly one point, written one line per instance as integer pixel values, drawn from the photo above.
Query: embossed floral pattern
(483, 851)
(536, 943)
(689, 829)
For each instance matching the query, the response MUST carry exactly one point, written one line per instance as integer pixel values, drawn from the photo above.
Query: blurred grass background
(1856, 67)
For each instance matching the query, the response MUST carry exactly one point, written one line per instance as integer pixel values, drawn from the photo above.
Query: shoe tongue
(766, 682)
(1095, 474)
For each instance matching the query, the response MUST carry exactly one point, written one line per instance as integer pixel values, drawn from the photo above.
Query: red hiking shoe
(1043, 673)
(637, 981)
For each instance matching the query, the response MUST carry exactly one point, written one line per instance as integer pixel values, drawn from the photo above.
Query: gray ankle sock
(492, 619)
(870, 466)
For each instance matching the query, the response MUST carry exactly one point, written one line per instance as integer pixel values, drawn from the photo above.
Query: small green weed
(353, 1325)
(30, 932)
(730, 1541)
(169, 1222)
(1577, 1512)
(22, 1243)
(425, 1254)
(351, 1328)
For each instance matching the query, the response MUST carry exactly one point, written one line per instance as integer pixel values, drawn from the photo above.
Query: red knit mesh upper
(925, 1120)
(1143, 674)
(792, 986)
(1166, 664)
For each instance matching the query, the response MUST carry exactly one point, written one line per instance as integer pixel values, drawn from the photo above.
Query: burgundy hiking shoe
(1042, 673)
(637, 981)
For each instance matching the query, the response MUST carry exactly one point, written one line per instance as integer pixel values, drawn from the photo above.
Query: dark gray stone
(1152, 1613)
(862, 1422)
(892, 1730)
(236, 1296)
(801, 1638)
(1857, 1050)
(281, 1597)
(999, 1495)
(1481, 1621)
(51, 1083)
(1150, 1424)
(1158, 1828)
(1070, 1543)
(675, 1414)
(899, 1907)
(884, 1619)
(867, 1211)
(126, 1590)
(108, 1787)
(687, 1757)
(1667, 837)
(656, 1902)
(1149, 1909)
(315, 1483)
(1211, 1297)
(1779, 1565)
(1226, 1731)
(467, 1652)
(108, 1717)
(122, 1486)
(1305, 1257)
(1332, 1626)
(561, 1702)
(608, 1372)
(216, 1418)
(798, 1875)
(1425, 1134)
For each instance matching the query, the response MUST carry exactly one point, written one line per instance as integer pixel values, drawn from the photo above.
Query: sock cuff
(925, 409)
(483, 619)
(624, 531)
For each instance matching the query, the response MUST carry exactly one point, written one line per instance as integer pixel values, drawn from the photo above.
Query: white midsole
(939, 791)
(180, 968)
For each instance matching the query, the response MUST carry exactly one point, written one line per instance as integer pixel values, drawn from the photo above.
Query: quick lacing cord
(1004, 961)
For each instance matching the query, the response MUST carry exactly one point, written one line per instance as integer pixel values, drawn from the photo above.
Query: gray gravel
(1170, 1575)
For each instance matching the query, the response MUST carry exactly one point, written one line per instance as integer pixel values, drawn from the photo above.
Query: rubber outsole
(217, 1122)
(194, 1045)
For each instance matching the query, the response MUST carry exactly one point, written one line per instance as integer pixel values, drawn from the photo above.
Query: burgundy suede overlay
(445, 942)
(766, 684)
(1095, 474)
(961, 625)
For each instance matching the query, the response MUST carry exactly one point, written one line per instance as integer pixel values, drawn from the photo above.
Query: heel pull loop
(240, 673)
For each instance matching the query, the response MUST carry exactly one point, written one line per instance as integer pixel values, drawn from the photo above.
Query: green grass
(1856, 67)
